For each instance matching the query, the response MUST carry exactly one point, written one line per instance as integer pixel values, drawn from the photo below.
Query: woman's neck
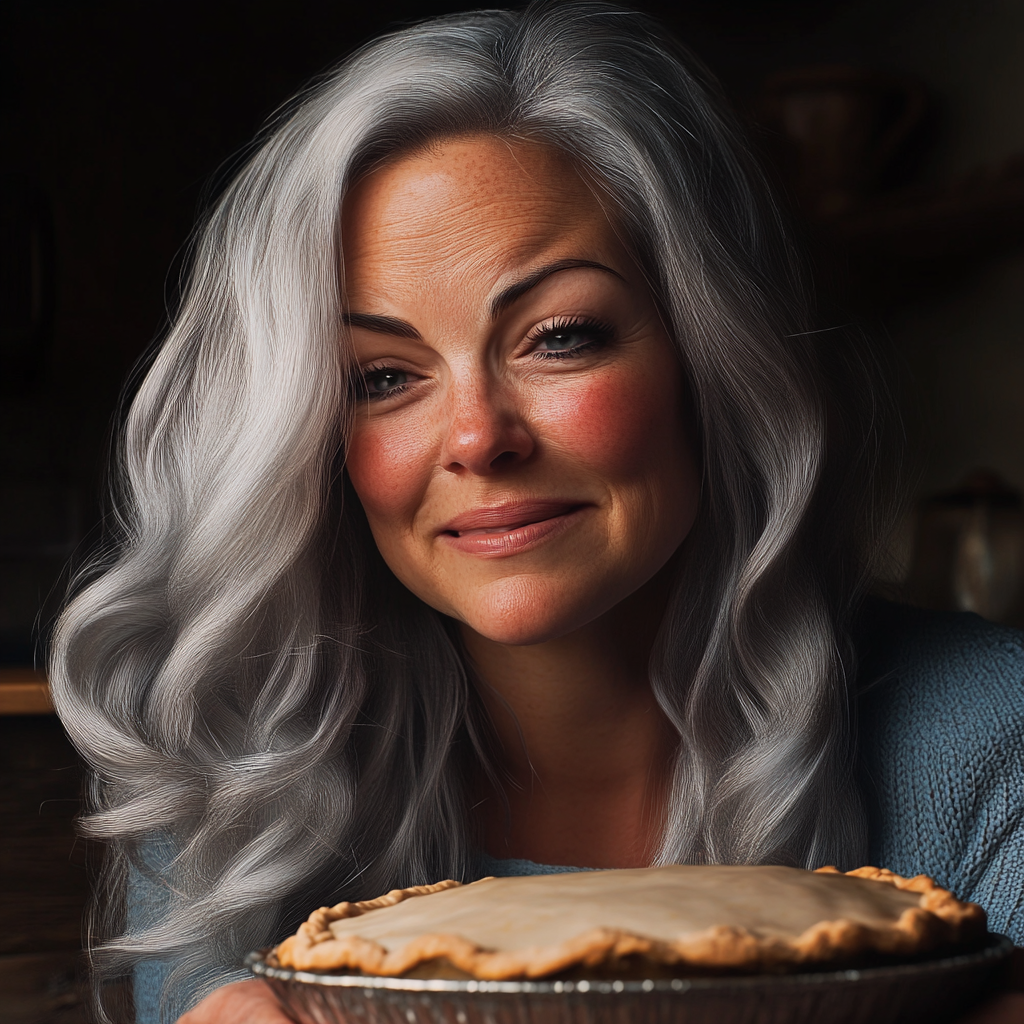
(584, 747)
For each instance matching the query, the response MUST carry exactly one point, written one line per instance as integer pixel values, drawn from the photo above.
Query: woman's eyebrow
(381, 324)
(398, 328)
(513, 292)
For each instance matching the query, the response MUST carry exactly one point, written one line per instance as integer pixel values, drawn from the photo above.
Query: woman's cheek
(385, 469)
(614, 422)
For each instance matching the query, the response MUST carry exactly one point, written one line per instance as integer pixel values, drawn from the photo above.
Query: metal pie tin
(924, 992)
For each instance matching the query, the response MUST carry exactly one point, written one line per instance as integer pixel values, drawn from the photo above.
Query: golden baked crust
(680, 917)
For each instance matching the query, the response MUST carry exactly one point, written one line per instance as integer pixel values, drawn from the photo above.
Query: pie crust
(681, 917)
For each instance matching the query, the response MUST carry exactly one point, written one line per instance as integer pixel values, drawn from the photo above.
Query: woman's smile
(499, 531)
(520, 442)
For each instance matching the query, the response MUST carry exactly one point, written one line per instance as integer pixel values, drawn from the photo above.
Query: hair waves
(268, 717)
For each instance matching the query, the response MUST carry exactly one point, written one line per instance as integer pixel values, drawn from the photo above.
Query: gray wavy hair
(271, 721)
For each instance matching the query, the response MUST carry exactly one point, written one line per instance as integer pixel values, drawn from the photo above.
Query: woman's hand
(253, 1002)
(241, 1002)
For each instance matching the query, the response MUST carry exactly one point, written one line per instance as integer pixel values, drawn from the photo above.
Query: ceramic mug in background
(842, 126)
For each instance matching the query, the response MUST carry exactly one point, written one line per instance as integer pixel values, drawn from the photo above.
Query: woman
(492, 503)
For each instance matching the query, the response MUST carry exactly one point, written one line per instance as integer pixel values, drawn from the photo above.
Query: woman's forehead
(482, 161)
(479, 202)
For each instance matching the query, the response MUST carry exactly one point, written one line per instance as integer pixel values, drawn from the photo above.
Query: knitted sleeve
(159, 996)
(942, 745)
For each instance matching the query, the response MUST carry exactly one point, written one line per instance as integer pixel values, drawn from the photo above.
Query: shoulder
(948, 674)
(941, 720)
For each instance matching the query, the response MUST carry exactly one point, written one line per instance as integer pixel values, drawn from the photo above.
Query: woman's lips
(509, 529)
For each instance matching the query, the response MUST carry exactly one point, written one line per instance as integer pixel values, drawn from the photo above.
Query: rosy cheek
(382, 466)
(613, 421)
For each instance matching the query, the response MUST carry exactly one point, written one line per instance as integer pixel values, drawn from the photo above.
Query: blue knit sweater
(941, 719)
(941, 757)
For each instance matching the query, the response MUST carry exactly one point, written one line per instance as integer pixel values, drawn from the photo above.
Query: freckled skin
(430, 239)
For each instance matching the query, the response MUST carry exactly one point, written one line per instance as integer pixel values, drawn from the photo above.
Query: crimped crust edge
(940, 919)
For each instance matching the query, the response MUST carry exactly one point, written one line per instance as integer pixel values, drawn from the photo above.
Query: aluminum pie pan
(923, 992)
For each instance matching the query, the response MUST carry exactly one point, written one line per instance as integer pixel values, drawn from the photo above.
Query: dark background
(120, 120)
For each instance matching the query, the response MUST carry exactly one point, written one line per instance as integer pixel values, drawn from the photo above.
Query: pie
(681, 918)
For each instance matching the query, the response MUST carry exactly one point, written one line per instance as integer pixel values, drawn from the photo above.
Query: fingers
(242, 1002)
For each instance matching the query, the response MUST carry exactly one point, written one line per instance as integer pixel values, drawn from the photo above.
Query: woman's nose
(485, 431)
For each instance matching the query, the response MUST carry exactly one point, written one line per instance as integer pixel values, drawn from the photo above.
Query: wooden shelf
(43, 988)
(23, 691)
(44, 872)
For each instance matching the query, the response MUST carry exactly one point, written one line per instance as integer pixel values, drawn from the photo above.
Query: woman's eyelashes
(560, 338)
(570, 337)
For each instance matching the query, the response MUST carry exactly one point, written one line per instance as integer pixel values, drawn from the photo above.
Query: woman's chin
(518, 634)
(521, 620)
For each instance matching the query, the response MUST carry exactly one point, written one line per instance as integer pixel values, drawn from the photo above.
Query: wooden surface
(43, 878)
(23, 691)
(41, 988)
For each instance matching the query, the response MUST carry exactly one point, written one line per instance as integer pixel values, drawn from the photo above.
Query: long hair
(270, 720)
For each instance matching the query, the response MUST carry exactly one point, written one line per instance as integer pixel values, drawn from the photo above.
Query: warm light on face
(520, 446)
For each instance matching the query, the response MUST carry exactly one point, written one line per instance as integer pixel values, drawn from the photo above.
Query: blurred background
(895, 130)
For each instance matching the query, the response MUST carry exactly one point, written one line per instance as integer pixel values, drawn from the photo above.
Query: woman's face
(521, 449)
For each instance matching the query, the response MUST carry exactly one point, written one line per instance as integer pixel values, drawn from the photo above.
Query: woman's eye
(385, 382)
(562, 340)
(565, 340)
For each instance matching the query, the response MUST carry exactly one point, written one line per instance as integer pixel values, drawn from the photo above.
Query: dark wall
(120, 118)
